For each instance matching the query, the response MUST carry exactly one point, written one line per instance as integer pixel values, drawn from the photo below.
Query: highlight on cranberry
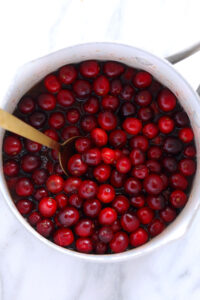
(132, 168)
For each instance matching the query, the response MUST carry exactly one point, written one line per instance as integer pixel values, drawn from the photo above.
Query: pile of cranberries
(132, 168)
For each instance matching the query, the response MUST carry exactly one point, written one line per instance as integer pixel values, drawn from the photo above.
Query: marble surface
(29, 269)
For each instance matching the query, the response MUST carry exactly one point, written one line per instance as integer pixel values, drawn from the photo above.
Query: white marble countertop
(30, 270)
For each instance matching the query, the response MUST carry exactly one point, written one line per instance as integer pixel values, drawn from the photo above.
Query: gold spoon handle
(15, 125)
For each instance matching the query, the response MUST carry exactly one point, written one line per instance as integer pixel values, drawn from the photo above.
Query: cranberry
(118, 154)
(110, 102)
(127, 92)
(181, 119)
(30, 162)
(100, 248)
(106, 193)
(140, 171)
(115, 87)
(113, 69)
(69, 132)
(168, 214)
(153, 184)
(75, 200)
(170, 164)
(108, 155)
(82, 144)
(117, 138)
(139, 237)
(12, 145)
(54, 154)
(156, 227)
(106, 234)
(40, 176)
(76, 166)
(128, 74)
(145, 214)
(61, 200)
(143, 98)
(26, 105)
(172, 145)
(154, 152)
(116, 226)
(40, 193)
(47, 207)
(117, 179)
(88, 123)
(127, 109)
(156, 202)
(119, 242)
(55, 184)
(32, 146)
(178, 198)
(73, 115)
(107, 120)
(178, 181)
(99, 136)
(142, 79)
(137, 201)
(129, 222)
(107, 216)
(121, 204)
(45, 227)
(68, 216)
(132, 125)
(63, 237)
(102, 172)
(52, 84)
(65, 98)
(46, 101)
(11, 168)
(137, 157)
(84, 245)
(84, 228)
(166, 100)
(186, 135)
(56, 120)
(37, 119)
(187, 167)
(92, 157)
(190, 151)
(24, 206)
(57, 169)
(89, 68)
(91, 106)
(71, 185)
(101, 86)
(140, 142)
(166, 124)
(132, 186)
(34, 218)
(150, 130)
(82, 88)
(24, 187)
(92, 208)
(123, 165)
(88, 189)
(145, 114)
(52, 134)
(153, 166)
(67, 74)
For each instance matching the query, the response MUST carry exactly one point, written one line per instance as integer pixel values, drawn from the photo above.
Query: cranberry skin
(107, 120)
(115, 87)
(75, 200)
(186, 135)
(11, 168)
(139, 142)
(153, 165)
(140, 171)
(178, 198)
(69, 132)
(181, 119)
(89, 69)
(127, 92)
(82, 144)
(52, 134)
(92, 157)
(84, 228)
(24, 187)
(52, 84)
(99, 137)
(106, 193)
(101, 85)
(40, 193)
(63, 237)
(106, 234)
(137, 157)
(116, 226)
(138, 201)
(143, 98)
(117, 179)
(55, 184)
(123, 165)
(132, 186)
(142, 80)
(145, 215)
(32, 146)
(65, 98)
(145, 114)
(30, 162)
(129, 222)
(71, 185)
(150, 130)
(40, 176)
(47, 207)
(172, 145)
(156, 202)
(84, 245)
(46, 101)
(56, 120)
(91, 208)
(113, 69)
(127, 109)
(166, 124)
(108, 155)
(170, 164)
(119, 242)
(88, 123)
(187, 167)
(24, 206)
(166, 100)
(138, 238)
(190, 151)
(110, 102)
(132, 126)
(154, 152)
(73, 115)
(26, 105)
(67, 74)
(34, 218)
(102, 172)
(37, 119)
(121, 204)
(156, 227)
(168, 214)
(91, 106)
(76, 166)
(178, 181)
(68, 216)
(12, 145)
(45, 227)
(153, 184)
(117, 138)
(88, 189)
(82, 88)
(107, 216)
(61, 200)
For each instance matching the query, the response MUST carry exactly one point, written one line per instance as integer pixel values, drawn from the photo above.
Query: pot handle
(175, 58)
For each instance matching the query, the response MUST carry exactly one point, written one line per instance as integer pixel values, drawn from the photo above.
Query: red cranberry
(119, 242)
(107, 120)
(101, 86)
(116, 226)
(82, 144)
(106, 193)
(61, 200)
(11, 182)
(132, 125)
(55, 154)
(178, 181)
(140, 171)
(45, 227)
(24, 206)
(154, 152)
(52, 134)
(92, 208)
(30, 162)
(24, 187)
(121, 204)
(55, 184)
(40, 193)
(46, 101)
(106, 234)
(57, 169)
(68, 216)
(165, 181)
(108, 155)
(107, 216)
(186, 135)
(88, 123)
(140, 142)
(84, 228)
(127, 92)
(187, 167)
(26, 105)
(11, 168)
(71, 185)
(67, 74)
(117, 138)
(91, 106)
(127, 109)
(99, 136)
(70, 131)
(88, 189)
(56, 120)
(34, 218)
(166, 124)
(145, 114)
(153, 184)
(118, 154)
(137, 201)
(143, 98)
(172, 145)
(142, 79)
(170, 164)
(32, 146)
(145, 214)
(89, 68)
(84, 245)
(156, 202)
(65, 98)
(123, 165)
(37, 119)
(12, 145)
(181, 119)
(132, 186)
(82, 88)
(76, 166)
(92, 157)
(52, 84)
(40, 176)
(128, 74)
(110, 102)
(190, 151)
(75, 200)
(73, 115)
(125, 152)
(129, 222)
(150, 130)
(168, 214)
(166, 100)
(102, 172)
(137, 157)
(139, 237)
(47, 207)
(113, 69)
(153, 165)
(117, 179)
(158, 141)
(178, 198)
(115, 87)
(156, 227)
(63, 237)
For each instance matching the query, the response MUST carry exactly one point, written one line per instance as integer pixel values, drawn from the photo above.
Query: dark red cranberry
(140, 142)
(150, 130)
(73, 115)
(107, 216)
(170, 164)
(68, 216)
(26, 105)
(137, 157)
(142, 79)
(91, 106)
(11, 168)
(115, 87)
(34, 218)
(57, 169)
(57, 120)
(117, 179)
(178, 181)
(61, 200)
(70, 131)
(102, 172)
(181, 119)
(11, 182)
(88, 189)
(137, 201)
(99, 137)
(100, 248)
(84, 228)
(82, 144)
(52, 134)
(84, 245)
(190, 151)
(30, 162)
(75, 200)
(172, 145)
(108, 155)
(32, 146)
(165, 181)
(106, 234)
(55, 154)
(166, 124)
(143, 98)
(132, 186)
(132, 125)
(128, 74)
(92, 157)
(52, 83)
(55, 184)
(123, 165)
(47, 207)
(88, 123)
(127, 109)
(129, 222)
(187, 167)
(65, 98)
(12, 145)
(76, 166)
(186, 135)
(121, 204)
(154, 152)
(166, 100)
(127, 92)
(24, 187)
(168, 214)
(101, 85)
(92, 208)
(156, 227)
(117, 138)
(49, 164)
(107, 120)
(119, 242)
(139, 237)
(40, 176)
(116, 226)
(145, 114)
(82, 88)
(113, 68)
(24, 206)
(125, 152)
(46, 101)
(67, 74)
(45, 227)
(110, 102)
(106, 193)
(153, 166)
(178, 198)
(63, 237)
(71, 185)
(156, 202)
(37, 119)
(158, 141)
(40, 193)
(145, 214)
(140, 171)
(89, 68)
(153, 184)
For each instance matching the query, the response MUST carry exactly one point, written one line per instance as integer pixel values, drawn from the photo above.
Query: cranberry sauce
(132, 170)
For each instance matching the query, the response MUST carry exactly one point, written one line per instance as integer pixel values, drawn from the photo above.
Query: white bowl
(31, 73)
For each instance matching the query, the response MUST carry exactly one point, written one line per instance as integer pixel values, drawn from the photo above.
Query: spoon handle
(15, 125)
